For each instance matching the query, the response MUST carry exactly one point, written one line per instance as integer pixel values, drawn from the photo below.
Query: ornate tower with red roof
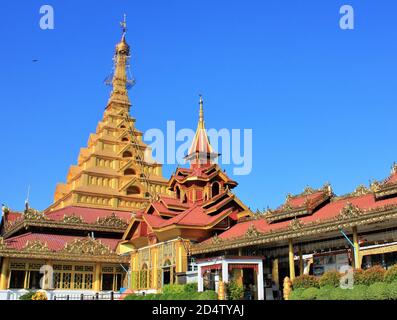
(203, 205)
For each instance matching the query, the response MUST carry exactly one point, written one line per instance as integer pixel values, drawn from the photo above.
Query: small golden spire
(201, 116)
(123, 24)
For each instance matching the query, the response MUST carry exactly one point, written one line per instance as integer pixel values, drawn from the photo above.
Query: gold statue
(287, 288)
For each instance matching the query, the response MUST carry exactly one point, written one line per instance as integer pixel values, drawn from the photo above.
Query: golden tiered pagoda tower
(115, 170)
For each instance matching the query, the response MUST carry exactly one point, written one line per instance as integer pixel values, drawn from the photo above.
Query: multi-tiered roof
(115, 170)
(202, 205)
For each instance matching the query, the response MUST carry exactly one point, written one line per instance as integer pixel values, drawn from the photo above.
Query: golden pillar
(356, 249)
(291, 260)
(155, 258)
(275, 275)
(134, 271)
(97, 279)
(5, 271)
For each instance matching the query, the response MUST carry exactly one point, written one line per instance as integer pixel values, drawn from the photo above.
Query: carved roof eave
(23, 224)
(385, 191)
(274, 217)
(12, 253)
(305, 230)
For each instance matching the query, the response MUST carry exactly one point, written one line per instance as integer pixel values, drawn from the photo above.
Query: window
(73, 277)
(125, 139)
(215, 189)
(111, 278)
(129, 172)
(127, 154)
(133, 190)
(107, 281)
(178, 192)
(34, 279)
(17, 279)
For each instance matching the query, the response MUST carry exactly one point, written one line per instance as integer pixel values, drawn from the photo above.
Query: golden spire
(201, 114)
(120, 81)
(124, 24)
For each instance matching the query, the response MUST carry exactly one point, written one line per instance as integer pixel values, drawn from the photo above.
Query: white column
(225, 271)
(260, 281)
(200, 283)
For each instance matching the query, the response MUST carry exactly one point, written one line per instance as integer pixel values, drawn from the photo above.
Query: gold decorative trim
(295, 224)
(358, 192)
(216, 240)
(350, 216)
(87, 246)
(72, 219)
(350, 211)
(112, 221)
(252, 232)
(36, 246)
(2, 243)
(32, 214)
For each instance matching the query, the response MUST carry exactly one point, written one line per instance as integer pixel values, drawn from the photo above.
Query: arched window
(167, 276)
(129, 172)
(125, 139)
(133, 190)
(127, 154)
(215, 189)
(184, 200)
(178, 192)
(122, 127)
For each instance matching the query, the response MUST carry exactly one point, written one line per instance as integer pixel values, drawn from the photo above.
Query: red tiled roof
(54, 242)
(330, 211)
(13, 215)
(301, 201)
(89, 215)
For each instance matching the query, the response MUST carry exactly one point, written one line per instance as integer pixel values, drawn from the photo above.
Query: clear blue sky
(321, 101)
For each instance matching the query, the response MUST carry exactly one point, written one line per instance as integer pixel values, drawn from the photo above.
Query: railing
(15, 295)
(97, 296)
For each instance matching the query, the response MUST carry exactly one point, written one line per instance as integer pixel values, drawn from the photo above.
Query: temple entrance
(249, 284)
(244, 271)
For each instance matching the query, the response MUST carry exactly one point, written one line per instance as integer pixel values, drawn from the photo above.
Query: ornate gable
(88, 246)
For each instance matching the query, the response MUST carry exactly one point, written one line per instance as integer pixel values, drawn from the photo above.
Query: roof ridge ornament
(123, 24)
(394, 168)
(350, 211)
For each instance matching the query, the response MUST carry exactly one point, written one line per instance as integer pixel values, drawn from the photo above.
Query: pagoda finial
(120, 81)
(123, 24)
(394, 168)
(201, 114)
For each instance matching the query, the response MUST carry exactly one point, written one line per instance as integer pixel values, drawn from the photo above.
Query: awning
(253, 266)
(217, 266)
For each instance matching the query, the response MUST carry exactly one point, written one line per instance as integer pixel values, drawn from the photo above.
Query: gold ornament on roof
(350, 211)
(32, 214)
(36, 246)
(394, 168)
(112, 221)
(295, 224)
(2, 243)
(252, 232)
(216, 240)
(88, 246)
(72, 219)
